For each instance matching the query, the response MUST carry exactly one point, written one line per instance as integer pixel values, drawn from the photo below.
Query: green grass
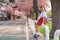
(51, 38)
(49, 12)
(42, 30)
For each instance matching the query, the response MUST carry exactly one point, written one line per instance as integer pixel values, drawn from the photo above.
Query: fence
(56, 35)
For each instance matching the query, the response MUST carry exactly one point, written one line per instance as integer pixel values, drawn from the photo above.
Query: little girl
(42, 19)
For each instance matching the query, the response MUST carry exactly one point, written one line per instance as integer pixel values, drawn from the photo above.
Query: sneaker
(36, 36)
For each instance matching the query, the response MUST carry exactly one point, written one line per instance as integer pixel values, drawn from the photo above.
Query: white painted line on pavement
(27, 35)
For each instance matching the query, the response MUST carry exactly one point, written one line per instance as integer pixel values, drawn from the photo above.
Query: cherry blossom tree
(27, 4)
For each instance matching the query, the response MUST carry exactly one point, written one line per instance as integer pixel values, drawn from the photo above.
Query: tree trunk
(35, 6)
(55, 16)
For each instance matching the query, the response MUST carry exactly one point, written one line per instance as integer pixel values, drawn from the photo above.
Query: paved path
(18, 30)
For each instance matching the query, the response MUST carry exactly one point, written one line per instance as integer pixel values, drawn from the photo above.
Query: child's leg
(40, 21)
(36, 26)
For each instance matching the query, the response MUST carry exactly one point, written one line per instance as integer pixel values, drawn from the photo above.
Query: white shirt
(43, 14)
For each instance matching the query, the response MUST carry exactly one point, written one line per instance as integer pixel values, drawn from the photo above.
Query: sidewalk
(32, 28)
(18, 32)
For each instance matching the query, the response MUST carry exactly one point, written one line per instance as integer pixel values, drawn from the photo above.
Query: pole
(35, 8)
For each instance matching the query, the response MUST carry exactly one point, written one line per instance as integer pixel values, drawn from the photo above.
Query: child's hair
(43, 7)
